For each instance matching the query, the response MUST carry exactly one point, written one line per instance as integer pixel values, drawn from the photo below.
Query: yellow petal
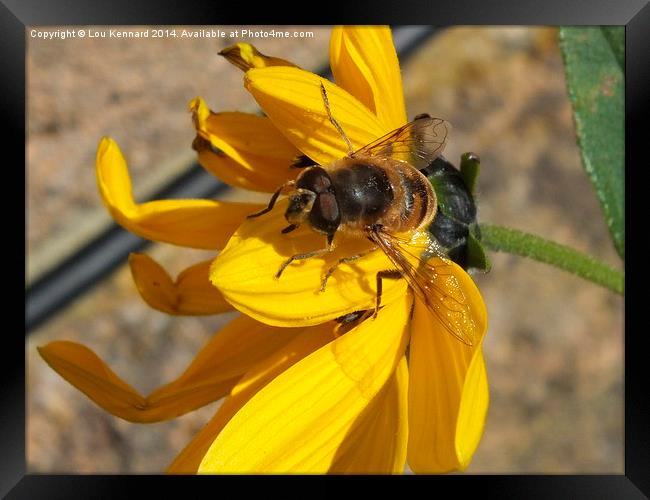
(245, 56)
(292, 99)
(203, 224)
(191, 294)
(474, 402)
(309, 340)
(364, 62)
(226, 169)
(298, 421)
(245, 273)
(448, 389)
(377, 442)
(239, 134)
(212, 374)
(262, 154)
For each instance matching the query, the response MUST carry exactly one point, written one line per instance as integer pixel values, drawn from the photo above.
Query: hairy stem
(503, 239)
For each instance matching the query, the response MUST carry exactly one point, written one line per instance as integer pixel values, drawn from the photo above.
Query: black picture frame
(15, 15)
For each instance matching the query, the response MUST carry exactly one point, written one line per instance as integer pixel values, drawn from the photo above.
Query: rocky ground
(554, 349)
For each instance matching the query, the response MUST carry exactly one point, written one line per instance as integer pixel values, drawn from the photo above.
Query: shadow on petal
(245, 272)
(296, 423)
(376, 442)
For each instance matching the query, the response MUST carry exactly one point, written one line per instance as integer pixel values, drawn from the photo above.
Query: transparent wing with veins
(432, 280)
(418, 142)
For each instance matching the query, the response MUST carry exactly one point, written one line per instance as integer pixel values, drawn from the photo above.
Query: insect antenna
(285, 188)
(336, 124)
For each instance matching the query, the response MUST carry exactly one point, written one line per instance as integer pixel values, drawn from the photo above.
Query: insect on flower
(378, 192)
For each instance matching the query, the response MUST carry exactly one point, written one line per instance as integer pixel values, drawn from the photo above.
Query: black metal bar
(97, 259)
(101, 256)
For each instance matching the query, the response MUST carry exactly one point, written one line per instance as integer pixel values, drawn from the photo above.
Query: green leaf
(504, 239)
(470, 167)
(594, 62)
(477, 257)
(615, 36)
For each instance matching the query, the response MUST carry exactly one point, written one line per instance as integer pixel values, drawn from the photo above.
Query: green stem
(503, 239)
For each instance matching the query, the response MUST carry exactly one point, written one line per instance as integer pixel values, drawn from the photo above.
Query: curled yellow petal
(377, 442)
(448, 393)
(364, 62)
(262, 155)
(298, 422)
(226, 169)
(202, 224)
(309, 340)
(245, 273)
(245, 56)
(212, 374)
(240, 134)
(292, 99)
(190, 294)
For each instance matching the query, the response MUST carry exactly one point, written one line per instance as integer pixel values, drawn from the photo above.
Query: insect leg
(391, 274)
(282, 189)
(344, 260)
(349, 321)
(336, 124)
(301, 256)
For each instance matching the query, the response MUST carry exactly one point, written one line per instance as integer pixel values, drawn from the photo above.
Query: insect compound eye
(325, 215)
(316, 180)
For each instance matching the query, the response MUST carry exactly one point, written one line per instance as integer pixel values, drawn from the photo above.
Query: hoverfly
(377, 192)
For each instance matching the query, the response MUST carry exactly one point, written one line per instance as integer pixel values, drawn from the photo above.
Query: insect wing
(418, 142)
(434, 283)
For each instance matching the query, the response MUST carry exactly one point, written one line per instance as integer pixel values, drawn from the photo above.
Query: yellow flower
(301, 396)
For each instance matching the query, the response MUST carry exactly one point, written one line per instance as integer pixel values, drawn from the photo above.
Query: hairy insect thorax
(363, 191)
(382, 191)
(354, 193)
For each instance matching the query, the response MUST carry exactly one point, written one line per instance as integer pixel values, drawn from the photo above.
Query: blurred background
(554, 348)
